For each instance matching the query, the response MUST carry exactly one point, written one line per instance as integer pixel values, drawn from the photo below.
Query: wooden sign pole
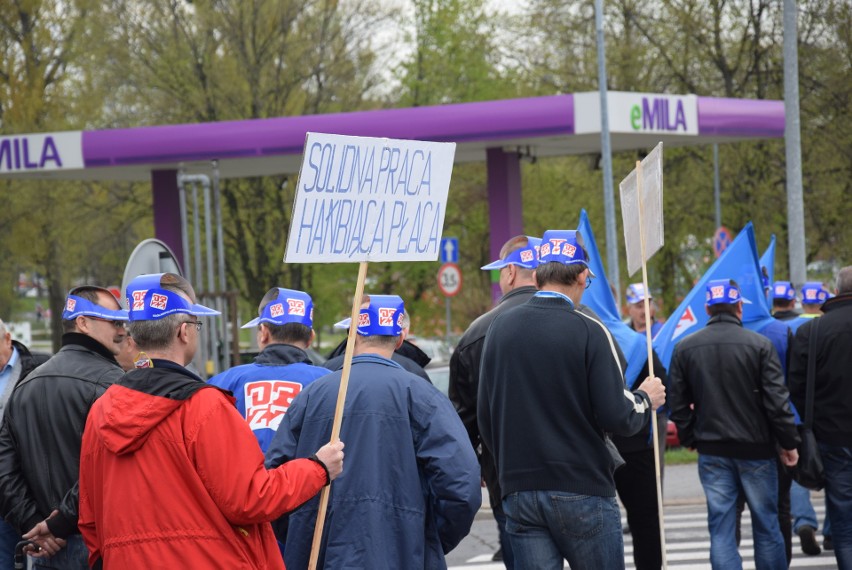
(338, 411)
(655, 429)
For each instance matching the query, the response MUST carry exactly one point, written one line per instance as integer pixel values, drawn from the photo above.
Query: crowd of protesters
(115, 453)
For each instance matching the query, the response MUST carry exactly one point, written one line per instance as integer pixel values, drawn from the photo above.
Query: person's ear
(313, 337)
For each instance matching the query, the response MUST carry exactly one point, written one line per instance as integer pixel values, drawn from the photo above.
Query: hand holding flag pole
(647, 201)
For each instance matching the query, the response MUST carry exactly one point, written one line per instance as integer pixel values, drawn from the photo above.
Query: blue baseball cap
(636, 293)
(149, 301)
(721, 292)
(813, 293)
(563, 246)
(526, 257)
(783, 290)
(383, 316)
(79, 307)
(287, 306)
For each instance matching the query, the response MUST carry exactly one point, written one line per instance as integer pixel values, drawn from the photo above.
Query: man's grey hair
(156, 335)
(844, 280)
(379, 340)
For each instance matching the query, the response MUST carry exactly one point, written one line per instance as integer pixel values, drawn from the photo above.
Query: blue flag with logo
(738, 262)
(599, 297)
(767, 260)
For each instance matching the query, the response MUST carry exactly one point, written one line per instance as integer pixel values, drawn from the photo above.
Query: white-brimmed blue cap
(383, 316)
(563, 246)
(76, 306)
(287, 306)
(526, 257)
(149, 301)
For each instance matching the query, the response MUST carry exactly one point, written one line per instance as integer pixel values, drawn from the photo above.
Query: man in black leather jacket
(44, 419)
(517, 284)
(741, 415)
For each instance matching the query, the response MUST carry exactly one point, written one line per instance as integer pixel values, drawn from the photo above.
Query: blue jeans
(801, 508)
(9, 538)
(838, 500)
(547, 527)
(723, 478)
(505, 544)
(75, 556)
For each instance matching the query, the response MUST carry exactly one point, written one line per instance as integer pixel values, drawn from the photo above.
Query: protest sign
(642, 215)
(643, 188)
(369, 199)
(366, 199)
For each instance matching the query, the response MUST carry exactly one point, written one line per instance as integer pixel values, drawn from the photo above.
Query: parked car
(440, 376)
(437, 349)
(672, 439)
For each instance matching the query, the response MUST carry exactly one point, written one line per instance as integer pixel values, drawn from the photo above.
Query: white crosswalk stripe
(688, 544)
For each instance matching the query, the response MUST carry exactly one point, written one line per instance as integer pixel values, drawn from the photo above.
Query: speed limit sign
(450, 279)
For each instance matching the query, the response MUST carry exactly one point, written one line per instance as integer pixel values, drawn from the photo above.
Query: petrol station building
(500, 133)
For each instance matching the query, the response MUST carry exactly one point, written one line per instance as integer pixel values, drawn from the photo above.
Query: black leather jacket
(43, 429)
(734, 379)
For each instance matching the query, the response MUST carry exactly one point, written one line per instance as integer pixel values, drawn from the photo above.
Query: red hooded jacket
(171, 476)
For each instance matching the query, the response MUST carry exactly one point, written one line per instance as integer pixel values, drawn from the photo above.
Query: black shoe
(498, 556)
(827, 543)
(810, 546)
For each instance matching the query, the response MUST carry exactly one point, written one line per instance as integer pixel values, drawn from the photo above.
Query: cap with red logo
(526, 257)
(382, 317)
(722, 291)
(79, 307)
(148, 300)
(813, 293)
(288, 306)
(783, 290)
(563, 246)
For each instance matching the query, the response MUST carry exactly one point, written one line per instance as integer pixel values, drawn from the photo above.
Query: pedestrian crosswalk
(687, 544)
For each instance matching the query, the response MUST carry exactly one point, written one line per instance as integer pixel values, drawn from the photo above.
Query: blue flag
(599, 297)
(767, 260)
(738, 262)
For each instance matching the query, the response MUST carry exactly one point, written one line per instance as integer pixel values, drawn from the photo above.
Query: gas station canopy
(537, 126)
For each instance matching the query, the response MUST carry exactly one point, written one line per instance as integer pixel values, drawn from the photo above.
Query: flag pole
(654, 427)
(338, 411)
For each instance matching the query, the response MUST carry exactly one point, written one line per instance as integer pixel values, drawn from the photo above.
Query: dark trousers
(489, 475)
(785, 519)
(636, 484)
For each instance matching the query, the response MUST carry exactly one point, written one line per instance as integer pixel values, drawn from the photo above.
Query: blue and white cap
(563, 246)
(79, 307)
(149, 301)
(783, 290)
(382, 317)
(526, 257)
(636, 293)
(813, 293)
(287, 306)
(721, 292)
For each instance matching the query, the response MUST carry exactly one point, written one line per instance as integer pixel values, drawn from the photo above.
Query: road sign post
(721, 240)
(450, 282)
(449, 250)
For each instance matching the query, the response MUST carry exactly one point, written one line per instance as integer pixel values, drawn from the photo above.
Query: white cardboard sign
(369, 199)
(651, 210)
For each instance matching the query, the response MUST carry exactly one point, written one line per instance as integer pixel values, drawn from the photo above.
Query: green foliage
(80, 64)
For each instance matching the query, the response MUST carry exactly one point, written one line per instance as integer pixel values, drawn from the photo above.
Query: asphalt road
(685, 520)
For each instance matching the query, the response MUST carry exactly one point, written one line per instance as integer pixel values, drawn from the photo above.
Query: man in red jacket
(170, 474)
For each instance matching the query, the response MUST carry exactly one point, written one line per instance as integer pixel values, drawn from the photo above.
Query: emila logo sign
(658, 114)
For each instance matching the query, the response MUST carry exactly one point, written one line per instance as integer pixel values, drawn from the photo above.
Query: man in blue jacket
(265, 388)
(412, 492)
